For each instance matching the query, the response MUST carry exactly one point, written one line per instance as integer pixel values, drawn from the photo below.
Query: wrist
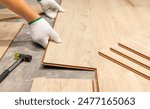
(37, 19)
(39, 0)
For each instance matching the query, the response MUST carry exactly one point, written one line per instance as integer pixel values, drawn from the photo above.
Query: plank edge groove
(134, 51)
(130, 58)
(124, 65)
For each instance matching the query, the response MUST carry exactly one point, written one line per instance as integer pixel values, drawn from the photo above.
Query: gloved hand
(50, 7)
(41, 32)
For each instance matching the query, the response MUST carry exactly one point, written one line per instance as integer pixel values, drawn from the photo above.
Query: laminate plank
(113, 77)
(8, 32)
(74, 42)
(61, 85)
(131, 56)
(126, 63)
(141, 51)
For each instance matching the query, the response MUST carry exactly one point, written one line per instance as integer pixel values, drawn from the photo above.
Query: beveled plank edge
(134, 51)
(130, 58)
(69, 66)
(124, 65)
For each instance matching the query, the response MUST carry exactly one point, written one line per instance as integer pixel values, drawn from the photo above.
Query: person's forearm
(20, 8)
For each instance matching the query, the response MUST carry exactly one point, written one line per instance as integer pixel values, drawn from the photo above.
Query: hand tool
(20, 58)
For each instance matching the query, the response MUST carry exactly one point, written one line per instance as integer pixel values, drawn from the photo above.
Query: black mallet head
(24, 57)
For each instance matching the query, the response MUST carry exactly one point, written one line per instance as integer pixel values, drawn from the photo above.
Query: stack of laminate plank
(127, 59)
(89, 27)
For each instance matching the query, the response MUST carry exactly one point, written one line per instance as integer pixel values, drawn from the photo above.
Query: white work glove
(41, 32)
(50, 7)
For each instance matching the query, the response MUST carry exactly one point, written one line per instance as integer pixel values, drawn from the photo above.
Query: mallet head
(24, 57)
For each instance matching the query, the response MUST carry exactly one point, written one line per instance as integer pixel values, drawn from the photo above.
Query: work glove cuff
(39, 0)
(34, 21)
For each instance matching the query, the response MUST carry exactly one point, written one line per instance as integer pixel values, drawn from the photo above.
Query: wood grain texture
(61, 85)
(8, 32)
(88, 26)
(6, 14)
(77, 42)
